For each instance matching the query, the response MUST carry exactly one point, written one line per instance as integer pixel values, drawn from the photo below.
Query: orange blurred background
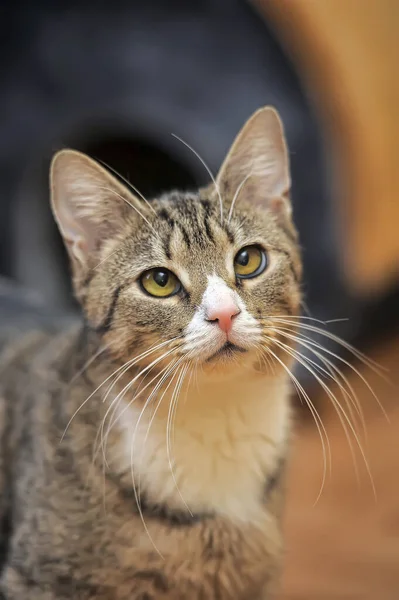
(345, 544)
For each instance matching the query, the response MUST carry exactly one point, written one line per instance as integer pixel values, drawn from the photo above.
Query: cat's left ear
(257, 164)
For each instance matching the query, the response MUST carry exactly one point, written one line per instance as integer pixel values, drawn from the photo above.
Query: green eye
(161, 283)
(249, 262)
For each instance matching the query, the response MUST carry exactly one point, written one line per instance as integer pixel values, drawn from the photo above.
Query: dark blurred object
(22, 311)
(115, 81)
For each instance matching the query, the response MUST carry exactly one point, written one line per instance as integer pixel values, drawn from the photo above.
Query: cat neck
(213, 450)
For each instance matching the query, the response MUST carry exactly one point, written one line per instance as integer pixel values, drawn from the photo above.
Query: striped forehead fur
(192, 243)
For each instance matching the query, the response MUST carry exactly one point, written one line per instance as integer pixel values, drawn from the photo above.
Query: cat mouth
(226, 351)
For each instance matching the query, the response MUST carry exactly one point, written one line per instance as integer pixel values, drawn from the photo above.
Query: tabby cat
(143, 449)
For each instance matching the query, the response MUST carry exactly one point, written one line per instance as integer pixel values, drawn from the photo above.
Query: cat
(143, 449)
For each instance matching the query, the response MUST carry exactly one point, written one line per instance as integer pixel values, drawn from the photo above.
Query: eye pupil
(160, 282)
(243, 258)
(161, 278)
(250, 262)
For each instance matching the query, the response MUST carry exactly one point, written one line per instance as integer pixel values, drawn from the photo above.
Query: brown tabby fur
(71, 524)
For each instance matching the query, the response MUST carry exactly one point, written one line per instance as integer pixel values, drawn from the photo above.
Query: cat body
(143, 450)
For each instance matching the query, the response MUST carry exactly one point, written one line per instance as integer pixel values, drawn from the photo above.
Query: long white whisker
(131, 362)
(131, 206)
(114, 407)
(137, 394)
(343, 417)
(136, 210)
(130, 185)
(236, 196)
(135, 490)
(169, 428)
(172, 370)
(359, 355)
(329, 370)
(326, 372)
(144, 370)
(306, 318)
(87, 364)
(348, 392)
(325, 442)
(208, 171)
(313, 343)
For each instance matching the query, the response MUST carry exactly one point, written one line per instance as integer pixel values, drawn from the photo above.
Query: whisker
(114, 407)
(333, 370)
(130, 185)
(268, 362)
(144, 370)
(135, 379)
(137, 394)
(172, 370)
(131, 206)
(324, 440)
(374, 366)
(131, 362)
(236, 196)
(169, 427)
(135, 491)
(304, 318)
(312, 342)
(298, 356)
(136, 210)
(189, 383)
(208, 171)
(343, 417)
(87, 364)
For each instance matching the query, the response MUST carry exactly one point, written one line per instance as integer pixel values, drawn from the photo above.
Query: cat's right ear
(89, 205)
(258, 163)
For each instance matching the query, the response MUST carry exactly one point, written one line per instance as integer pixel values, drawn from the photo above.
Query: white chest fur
(225, 441)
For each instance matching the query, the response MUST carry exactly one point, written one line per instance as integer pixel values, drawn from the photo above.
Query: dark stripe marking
(274, 479)
(88, 278)
(165, 216)
(185, 235)
(208, 229)
(155, 576)
(174, 517)
(166, 247)
(5, 536)
(161, 512)
(107, 322)
(230, 235)
(207, 205)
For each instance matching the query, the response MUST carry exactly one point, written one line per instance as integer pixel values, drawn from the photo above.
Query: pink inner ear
(81, 235)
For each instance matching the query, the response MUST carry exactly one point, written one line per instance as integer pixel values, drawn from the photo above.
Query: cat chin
(230, 366)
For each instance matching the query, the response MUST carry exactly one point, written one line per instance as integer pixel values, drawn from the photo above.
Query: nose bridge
(218, 295)
(219, 304)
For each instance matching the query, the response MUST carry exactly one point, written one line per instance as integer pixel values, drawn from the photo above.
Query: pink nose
(223, 316)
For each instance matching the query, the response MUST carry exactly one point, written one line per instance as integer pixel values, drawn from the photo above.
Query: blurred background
(115, 80)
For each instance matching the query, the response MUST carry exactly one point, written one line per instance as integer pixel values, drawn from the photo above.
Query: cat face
(189, 277)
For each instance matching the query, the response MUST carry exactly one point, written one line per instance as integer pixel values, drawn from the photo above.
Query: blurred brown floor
(347, 545)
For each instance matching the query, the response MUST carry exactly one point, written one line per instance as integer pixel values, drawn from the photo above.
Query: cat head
(189, 277)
